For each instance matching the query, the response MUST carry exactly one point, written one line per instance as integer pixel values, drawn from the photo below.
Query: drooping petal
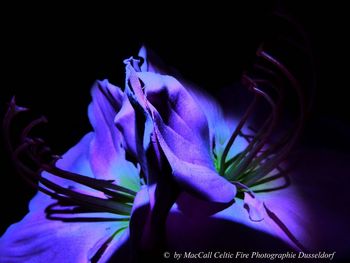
(182, 132)
(220, 126)
(209, 106)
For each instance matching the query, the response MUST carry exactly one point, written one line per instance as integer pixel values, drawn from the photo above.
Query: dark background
(51, 55)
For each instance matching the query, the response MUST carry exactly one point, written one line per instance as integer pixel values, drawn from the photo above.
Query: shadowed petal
(106, 155)
(309, 214)
(237, 228)
(135, 237)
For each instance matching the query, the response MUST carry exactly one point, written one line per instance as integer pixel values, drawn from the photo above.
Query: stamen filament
(234, 135)
(120, 198)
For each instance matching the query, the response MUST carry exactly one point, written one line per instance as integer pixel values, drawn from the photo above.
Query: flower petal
(218, 232)
(182, 131)
(275, 215)
(41, 236)
(219, 125)
(38, 239)
(125, 121)
(106, 155)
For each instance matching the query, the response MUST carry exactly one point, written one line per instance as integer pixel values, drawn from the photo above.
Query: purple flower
(161, 157)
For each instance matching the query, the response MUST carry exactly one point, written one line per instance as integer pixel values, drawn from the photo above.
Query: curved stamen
(119, 199)
(96, 203)
(264, 137)
(31, 125)
(281, 174)
(269, 166)
(241, 156)
(11, 112)
(255, 162)
(235, 134)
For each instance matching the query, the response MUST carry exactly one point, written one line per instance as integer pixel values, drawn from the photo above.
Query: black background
(51, 55)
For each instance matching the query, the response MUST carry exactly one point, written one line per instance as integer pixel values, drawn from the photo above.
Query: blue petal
(107, 154)
(182, 131)
(38, 238)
